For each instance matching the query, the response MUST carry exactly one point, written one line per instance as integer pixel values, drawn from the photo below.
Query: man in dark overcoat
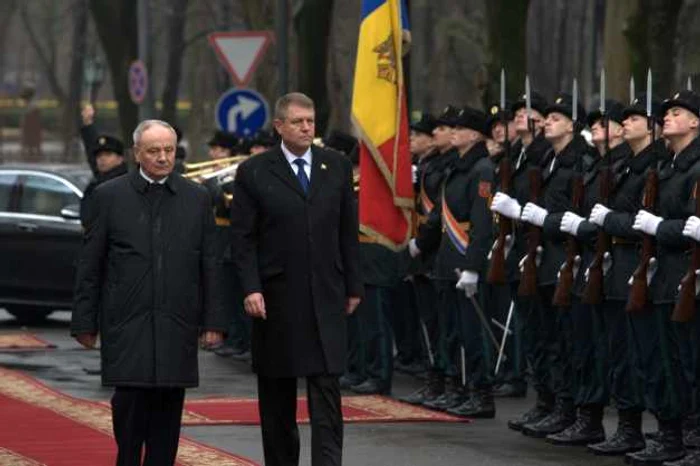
(295, 229)
(147, 284)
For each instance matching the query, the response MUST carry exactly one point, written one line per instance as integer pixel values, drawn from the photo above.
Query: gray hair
(146, 124)
(293, 98)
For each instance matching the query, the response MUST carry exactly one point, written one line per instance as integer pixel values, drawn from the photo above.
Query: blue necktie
(301, 175)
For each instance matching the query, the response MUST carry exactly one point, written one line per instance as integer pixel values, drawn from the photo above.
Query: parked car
(40, 237)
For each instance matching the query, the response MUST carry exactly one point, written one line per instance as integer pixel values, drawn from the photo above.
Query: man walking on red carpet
(147, 285)
(295, 243)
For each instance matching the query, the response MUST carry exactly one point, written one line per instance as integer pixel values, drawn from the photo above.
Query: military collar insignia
(494, 110)
(102, 141)
(559, 100)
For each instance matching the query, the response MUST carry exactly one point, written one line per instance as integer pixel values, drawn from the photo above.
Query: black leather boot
(479, 406)
(454, 395)
(691, 437)
(588, 428)
(691, 459)
(543, 407)
(434, 387)
(668, 446)
(563, 416)
(628, 437)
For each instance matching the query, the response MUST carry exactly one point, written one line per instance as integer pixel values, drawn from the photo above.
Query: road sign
(138, 81)
(241, 111)
(240, 52)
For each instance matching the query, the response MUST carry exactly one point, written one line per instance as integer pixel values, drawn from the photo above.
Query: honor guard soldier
(528, 153)
(616, 217)
(589, 372)
(430, 175)
(460, 229)
(658, 339)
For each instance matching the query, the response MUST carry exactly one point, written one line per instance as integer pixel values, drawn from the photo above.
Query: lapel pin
(323, 166)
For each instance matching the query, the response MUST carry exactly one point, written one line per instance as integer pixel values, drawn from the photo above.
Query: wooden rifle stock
(528, 277)
(639, 290)
(562, 293)
(497, 267)
(593, 291)
(684, 311)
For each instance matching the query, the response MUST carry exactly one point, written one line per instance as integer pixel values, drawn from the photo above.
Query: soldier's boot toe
(668, 446)
(430, 391)
(588, 428)
(542, 409)
(692, 459)
(562, 417)
(480, 406)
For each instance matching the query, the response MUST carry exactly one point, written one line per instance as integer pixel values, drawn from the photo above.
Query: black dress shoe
(242, 355)
(347, 381)
(411, 368)
(542, 409)
(691, 438)
(668, 446)
(433, 388)
(562, 417)
(479, 406)
(692, 459)
(226, 351)
(450, 399)
(628, 437)
(371, 387)
(588, 428)
(509, 390)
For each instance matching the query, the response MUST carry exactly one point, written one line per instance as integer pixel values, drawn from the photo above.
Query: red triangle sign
(240, 52)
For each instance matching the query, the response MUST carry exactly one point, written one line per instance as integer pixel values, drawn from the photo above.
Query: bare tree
(619, 18)
(176, 49)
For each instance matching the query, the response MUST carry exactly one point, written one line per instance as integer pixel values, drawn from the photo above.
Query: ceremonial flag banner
(380, 116)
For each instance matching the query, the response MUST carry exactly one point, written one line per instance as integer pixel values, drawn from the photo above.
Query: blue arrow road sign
(241, 111)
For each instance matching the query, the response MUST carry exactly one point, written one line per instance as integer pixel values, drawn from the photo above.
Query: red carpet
(40, 426)
(22, 341)
(244, 411)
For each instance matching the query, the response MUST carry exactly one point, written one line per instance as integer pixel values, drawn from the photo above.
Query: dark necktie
(301, 175)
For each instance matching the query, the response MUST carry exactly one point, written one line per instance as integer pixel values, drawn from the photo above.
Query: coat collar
(647, 157)
(473, 155)
(140, 183)
(688, 156)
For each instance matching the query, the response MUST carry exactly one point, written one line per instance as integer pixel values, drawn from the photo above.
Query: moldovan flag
(381, 119)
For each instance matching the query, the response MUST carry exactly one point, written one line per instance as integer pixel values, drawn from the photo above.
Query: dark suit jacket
(301, 253)
(148, 280)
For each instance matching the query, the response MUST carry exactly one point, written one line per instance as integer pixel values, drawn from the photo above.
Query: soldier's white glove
(646, 222)
(692, 228)
(598, 214)
(534, 214)
(413, 248)
(505, 205)
(538, 259)
(414, 174)
(506, 248)
(570, 223)
(468, 282)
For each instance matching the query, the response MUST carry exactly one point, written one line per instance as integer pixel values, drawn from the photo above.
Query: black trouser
(150, 418)
(448, 360)
(590, 365)
(656, 339)
(377, 341)
(478, 347)
(625, 386)
(427, 304)
(405, 323)
(277, 402)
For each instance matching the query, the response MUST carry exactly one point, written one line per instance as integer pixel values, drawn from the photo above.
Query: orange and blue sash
(425, 202)
(457, 232)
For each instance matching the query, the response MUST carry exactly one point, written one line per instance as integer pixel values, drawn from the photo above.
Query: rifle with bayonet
(593, 290)
(639, 288)
(497, 267)
(684, 311)
(562, 293)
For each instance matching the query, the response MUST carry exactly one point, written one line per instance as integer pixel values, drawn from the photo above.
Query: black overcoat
(301, 252)
(148, 280)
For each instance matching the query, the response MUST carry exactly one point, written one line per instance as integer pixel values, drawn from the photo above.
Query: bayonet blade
(689, 84)
(632, 90)
(503, 90)
(602, 92)
(649, 88)
(528, 101)
(574, 104)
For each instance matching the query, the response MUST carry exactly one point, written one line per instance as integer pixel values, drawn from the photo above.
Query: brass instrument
(205, 170)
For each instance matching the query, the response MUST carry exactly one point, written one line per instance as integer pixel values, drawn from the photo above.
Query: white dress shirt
(291, 158)
(149, 179)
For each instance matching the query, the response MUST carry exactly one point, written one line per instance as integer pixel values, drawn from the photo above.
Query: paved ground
(483, 442)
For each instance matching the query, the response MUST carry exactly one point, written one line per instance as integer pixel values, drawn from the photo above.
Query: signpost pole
(281, 20)
(142, 13)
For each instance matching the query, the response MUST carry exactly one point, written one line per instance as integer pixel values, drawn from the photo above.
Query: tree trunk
(661, 34)
(71, 108)
(687, 37)
(619, 17)
(342, 50)
(176, 48)
(117, 30)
